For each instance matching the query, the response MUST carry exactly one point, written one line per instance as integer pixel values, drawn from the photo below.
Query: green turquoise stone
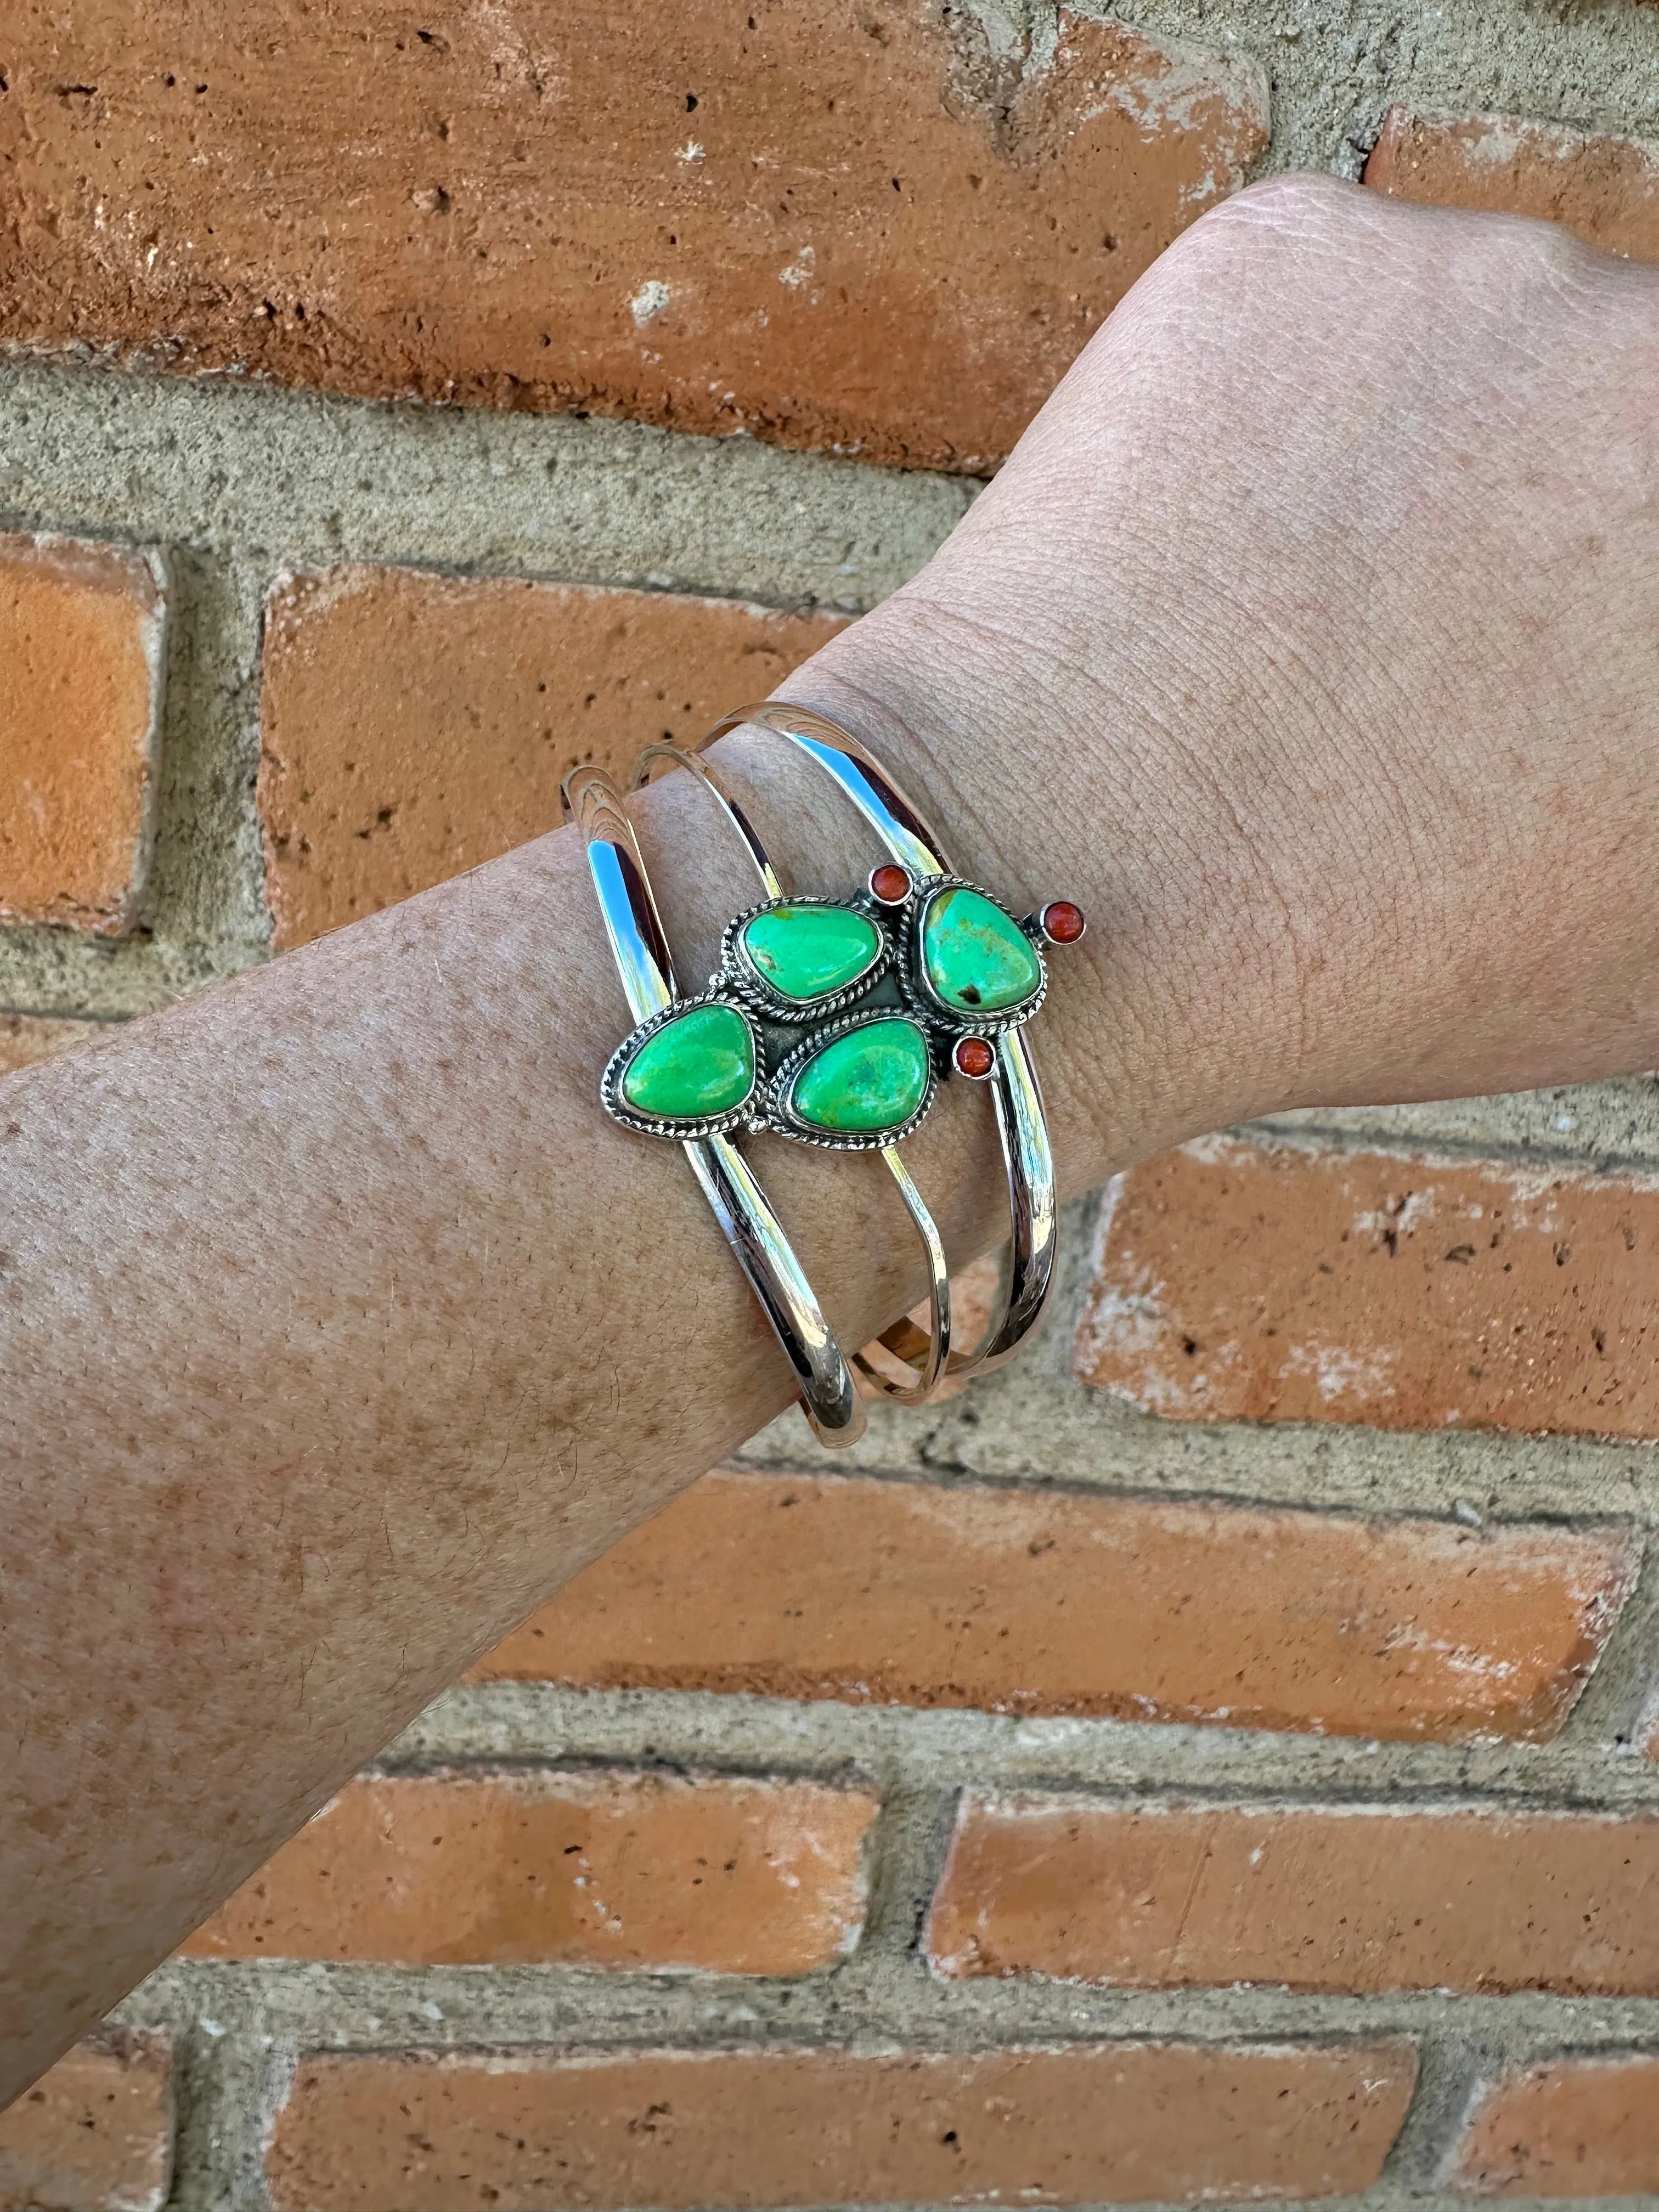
(701, 1063)
(977, 961)
(807, 952)
(869, 1079)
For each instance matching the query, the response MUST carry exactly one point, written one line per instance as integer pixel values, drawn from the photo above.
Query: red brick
(1097, 2124)
(1240, 1283)
(1572, 2127)
(829, 222)
(94, 2135)
(416, 725)
(586, 1869)
(26, 1038)
(81, 631)
(1603, 188)
(1035, 1602)
(1330, 1899)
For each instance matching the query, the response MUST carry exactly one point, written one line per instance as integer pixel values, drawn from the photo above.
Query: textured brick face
(1239, 1283)
(1088, 2126)
(1330, 1899)
(94, 2135)
(80, 704)
(1572, 2128)
(589, 1870)
(899, 1593)
(831, 223)
(416, 725)
(26, 1038)
(1605, 189)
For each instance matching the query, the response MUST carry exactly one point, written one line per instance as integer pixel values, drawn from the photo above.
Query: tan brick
(94, 2135)
(81, 634)
(1031, 1601)
(1603, 188)
(1337, 1899)
(588, 1868)
(1572, 2127)
(830, 222)
(1240, 1283)
(26, 1038)
(416, 725)
(1098, 2124)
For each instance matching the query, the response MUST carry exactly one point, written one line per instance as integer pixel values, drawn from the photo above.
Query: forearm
(341, 1326)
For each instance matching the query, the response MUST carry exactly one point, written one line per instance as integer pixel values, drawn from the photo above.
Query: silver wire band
(927, 1369)
(828, 1396)
(1016, 1096)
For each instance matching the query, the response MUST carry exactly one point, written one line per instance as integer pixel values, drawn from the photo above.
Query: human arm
(1307, 642)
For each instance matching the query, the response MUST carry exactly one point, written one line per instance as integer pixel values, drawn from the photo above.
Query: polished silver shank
(822, 1377)
(927, 1357)
(1016, 1095)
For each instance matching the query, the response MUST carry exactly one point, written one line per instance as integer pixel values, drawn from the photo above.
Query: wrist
(1168, 1019)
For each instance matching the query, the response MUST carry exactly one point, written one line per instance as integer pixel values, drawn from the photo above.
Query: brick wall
(1217, 1759)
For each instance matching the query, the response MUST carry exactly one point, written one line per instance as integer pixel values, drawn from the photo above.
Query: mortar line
(346, 2005)
(1636, 1168)
(1582, 1520)
(1447, 2063)
(1623, 1679)
(1115, 1760)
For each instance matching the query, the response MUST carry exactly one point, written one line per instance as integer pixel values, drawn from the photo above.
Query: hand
(1311, 638)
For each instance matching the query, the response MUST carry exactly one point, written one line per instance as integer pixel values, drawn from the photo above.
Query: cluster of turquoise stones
(868, 1074)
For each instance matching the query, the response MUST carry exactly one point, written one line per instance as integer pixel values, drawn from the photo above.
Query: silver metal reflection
(926, 1357)
(1029, 1260)
(823, 1379)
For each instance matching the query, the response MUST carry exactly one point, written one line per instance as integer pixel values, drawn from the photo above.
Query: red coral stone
(1062, 922)
(973, 1056)
(890, 884)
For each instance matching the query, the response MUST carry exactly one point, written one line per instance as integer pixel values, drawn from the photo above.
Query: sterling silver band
(925, 1361)
(1029, 1260)
(828, 1396)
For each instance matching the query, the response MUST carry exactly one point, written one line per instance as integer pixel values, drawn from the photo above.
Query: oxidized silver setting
(707, 1125)
(777, 1111)
(954, 1021)
(738, 973)
(738, 983)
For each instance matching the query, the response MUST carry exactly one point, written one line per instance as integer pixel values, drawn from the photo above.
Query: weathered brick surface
(829, 223)
(414, 726)
(1098, 2124)
(1238, 1282)
(1572, 2127)
(94, 2135)
(81, 632)
(1603, 187)
(1021, 1602)
(588, 1868)
(1327, 1898)
(26, 1038)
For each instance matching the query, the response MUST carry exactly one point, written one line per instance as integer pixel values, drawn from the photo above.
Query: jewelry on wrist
(829, 925)
(824, 1381)
(832, 1022)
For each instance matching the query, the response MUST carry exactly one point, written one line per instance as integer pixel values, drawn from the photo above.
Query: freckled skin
(338, 1324)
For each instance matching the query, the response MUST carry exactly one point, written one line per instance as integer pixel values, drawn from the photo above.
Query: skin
(1308, 641)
